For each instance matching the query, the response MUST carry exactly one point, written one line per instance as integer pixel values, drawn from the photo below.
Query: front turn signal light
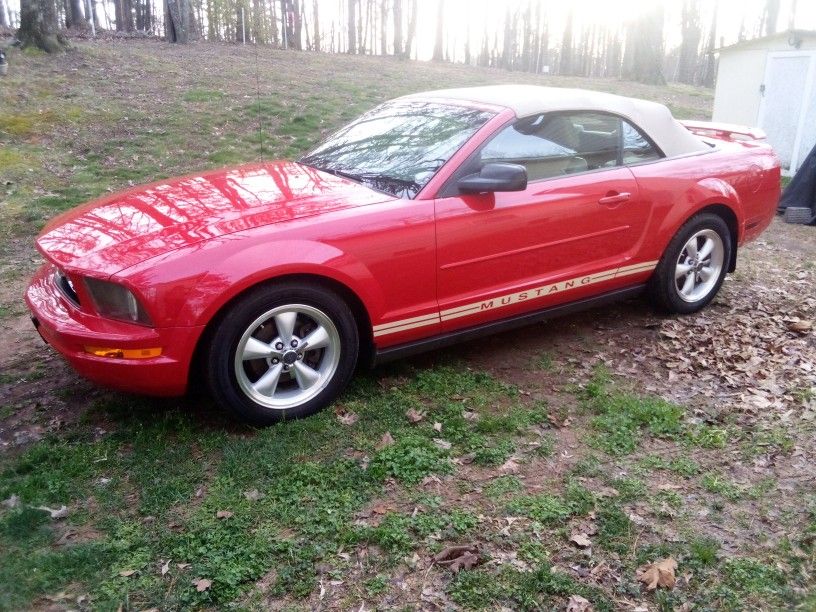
(119, 353)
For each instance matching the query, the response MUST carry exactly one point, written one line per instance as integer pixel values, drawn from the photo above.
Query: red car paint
(187, 247)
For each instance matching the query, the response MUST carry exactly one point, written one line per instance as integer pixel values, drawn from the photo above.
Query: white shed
(770, 82)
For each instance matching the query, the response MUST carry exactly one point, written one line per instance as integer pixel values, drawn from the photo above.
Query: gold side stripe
(392, 330)
(511, 298)
(400, 323)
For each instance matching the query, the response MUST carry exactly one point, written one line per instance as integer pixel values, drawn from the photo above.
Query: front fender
(263, 262)
(187, 287)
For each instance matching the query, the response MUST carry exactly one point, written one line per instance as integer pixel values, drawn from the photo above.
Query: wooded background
(662, 41)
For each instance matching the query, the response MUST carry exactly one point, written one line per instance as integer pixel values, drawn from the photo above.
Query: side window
(558, 144)
(636, 148)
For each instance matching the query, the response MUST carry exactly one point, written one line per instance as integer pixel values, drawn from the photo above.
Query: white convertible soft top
(654, 119)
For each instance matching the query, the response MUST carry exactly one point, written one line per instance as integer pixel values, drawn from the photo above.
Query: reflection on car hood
(121, 230)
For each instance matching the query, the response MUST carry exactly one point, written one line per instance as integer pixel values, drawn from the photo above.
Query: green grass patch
(549, 509)
(202, 95)
(543, 588)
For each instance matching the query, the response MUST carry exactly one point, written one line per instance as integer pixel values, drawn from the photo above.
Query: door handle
(613, 197)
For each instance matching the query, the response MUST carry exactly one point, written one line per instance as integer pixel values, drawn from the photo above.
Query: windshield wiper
(372, 179)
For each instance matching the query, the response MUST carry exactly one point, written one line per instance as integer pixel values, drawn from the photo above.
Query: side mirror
(497, 176)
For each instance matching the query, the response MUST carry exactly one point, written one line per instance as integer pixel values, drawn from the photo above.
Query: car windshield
(398, 146)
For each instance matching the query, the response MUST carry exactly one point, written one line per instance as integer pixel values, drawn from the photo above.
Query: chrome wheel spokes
(699, 265)
(287, 356)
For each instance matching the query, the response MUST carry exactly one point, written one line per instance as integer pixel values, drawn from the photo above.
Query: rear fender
(714, 194)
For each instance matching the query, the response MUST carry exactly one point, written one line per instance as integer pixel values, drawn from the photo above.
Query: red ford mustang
(432, 218)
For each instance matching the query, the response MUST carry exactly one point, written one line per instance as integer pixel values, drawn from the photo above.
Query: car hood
(108, 235)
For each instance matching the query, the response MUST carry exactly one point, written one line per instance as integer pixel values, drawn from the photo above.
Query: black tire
(663, 285)
(233, 327)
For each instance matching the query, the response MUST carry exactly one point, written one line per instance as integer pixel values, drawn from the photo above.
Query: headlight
(116, 302)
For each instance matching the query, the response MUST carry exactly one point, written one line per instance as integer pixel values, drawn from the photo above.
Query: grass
(139, 490)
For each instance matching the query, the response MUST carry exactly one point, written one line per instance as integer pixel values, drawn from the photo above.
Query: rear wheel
(694, 265)
(281, 352)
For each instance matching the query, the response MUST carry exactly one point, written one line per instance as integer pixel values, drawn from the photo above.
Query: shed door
(787, 83)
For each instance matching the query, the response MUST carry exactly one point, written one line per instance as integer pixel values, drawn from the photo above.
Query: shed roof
(755, 42)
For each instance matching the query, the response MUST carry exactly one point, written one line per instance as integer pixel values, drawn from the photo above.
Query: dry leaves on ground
(660, 574)
(253, 495)
(414, 416)
(348, 417)
(202, 584)
(386, 440)
(581, 540)
(458, 558)
(577, 603)
(59, 513)
(223, 514)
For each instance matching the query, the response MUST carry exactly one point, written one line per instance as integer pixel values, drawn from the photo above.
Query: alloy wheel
(699, 265)
(287, 356)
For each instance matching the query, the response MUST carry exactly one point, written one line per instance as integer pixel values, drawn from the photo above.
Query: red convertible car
(432, 218)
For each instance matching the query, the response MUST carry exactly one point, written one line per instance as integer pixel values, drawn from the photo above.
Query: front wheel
(283, 351)
(694, 265)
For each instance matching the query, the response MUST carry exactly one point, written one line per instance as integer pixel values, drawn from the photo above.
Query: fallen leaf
(223, 514)
(469, 415)
(511, 466)
(581, 540)
(12, 502)
(202, 584)
(182, 566)
(253, 495)
(59, 513)
(414, 415)
(126, 573)
(577, 603)
(800, 327)
(165, 567)
(386, 440)
(348, 418)
(437, 426)
(658, 574)
(443, 444)
(458, 558)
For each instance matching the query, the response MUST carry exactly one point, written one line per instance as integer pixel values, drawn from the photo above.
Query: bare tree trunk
(709, 70)
(383, 27)
(644, 47)
(297, 26)
(770, 16)
(38, 26)
(412, 22)
(690, 45)
(177, 26)
(273, 22)
(397, 11)
(317, 44)
(352, 26)
(565, 61)
(95, 14)
(4, 22)
(439, 45)
(76, 18)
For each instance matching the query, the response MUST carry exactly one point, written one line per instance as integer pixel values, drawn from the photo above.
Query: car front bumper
(69, 330)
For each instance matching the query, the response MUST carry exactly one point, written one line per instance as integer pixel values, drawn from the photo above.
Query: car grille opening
(66, 286)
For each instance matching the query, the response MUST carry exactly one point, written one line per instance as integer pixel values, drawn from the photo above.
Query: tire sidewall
(667, 293)
(221, 376)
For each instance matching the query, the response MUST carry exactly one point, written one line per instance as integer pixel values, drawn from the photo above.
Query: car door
(579, 218)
